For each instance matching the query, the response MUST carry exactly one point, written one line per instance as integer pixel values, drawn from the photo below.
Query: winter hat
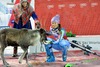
(56, 19)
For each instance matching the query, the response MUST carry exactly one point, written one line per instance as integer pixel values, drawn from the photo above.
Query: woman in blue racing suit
(59, 43)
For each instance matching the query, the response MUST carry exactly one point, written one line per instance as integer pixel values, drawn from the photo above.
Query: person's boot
(64, 58)
(64, 53)
(51, 58)
(50, 55)
(15, 52)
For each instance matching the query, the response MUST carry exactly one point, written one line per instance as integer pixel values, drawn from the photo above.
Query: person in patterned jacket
(21, 17)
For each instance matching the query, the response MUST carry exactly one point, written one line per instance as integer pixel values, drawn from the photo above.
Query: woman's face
(54, 25)
(25, 4)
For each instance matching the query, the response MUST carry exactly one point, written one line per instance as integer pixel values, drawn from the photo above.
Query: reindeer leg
(3, 45)
(28, 64)
(23, 55)
(2, 57)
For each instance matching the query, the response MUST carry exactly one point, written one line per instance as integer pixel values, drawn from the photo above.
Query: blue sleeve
(34, 16)
(62, 34)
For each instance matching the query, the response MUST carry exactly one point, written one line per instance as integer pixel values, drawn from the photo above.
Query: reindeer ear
(42, 30)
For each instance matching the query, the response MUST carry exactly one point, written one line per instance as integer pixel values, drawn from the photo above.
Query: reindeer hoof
(7, 65)
(30, 65)
(20, 62)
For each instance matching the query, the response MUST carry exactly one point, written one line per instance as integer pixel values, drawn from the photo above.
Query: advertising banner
(82, 17)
